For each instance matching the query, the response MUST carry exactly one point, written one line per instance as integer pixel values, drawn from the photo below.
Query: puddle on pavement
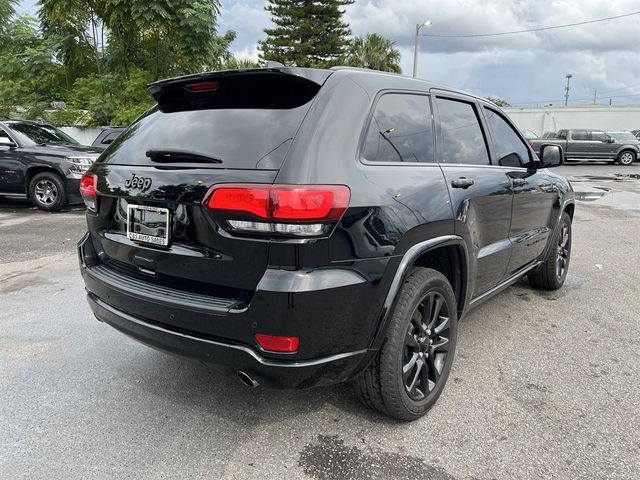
(590, 196)
(616, 177)
(16, 283)
(331, 458)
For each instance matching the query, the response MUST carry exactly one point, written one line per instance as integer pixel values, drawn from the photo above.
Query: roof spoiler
(317, 76)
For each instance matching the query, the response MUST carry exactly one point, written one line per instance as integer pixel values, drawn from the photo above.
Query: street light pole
(567, 88)
(426, 23)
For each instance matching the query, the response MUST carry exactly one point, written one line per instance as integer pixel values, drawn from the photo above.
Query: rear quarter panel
(392, 207)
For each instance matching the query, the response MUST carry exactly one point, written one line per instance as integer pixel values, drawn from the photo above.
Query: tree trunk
(157, 41)
(123, 41)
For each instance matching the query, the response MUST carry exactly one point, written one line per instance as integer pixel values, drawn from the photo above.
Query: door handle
(519, 182)
(462, 183)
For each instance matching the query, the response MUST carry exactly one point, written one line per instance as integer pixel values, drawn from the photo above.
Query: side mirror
(7, 142)
(611, 140)
(551, 156)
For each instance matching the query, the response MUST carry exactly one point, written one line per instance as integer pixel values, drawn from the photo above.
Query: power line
(574, 100)
(628, 87)
(532, 29)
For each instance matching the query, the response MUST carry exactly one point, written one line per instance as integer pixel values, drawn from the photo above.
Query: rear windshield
(244, 123)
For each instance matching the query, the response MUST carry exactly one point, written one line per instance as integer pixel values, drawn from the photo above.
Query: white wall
(84, 135)
(542, 120)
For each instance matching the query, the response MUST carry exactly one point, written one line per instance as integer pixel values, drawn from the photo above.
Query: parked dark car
(593, 145)
(42, 162)
(308, 227)
(107, 136)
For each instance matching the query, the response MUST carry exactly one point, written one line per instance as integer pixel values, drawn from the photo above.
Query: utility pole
(566, 89)
(595, 97)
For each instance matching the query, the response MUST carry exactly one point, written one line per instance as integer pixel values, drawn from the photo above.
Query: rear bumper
(268, 372)
(332, 311)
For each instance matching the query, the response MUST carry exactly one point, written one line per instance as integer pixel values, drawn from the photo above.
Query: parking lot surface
(544, 385)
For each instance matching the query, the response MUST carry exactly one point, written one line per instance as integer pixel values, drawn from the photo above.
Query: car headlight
(79, 165)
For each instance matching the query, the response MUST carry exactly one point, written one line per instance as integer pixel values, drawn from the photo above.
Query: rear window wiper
(171, 156)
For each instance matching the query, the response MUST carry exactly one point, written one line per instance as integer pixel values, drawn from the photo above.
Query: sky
(525, 69)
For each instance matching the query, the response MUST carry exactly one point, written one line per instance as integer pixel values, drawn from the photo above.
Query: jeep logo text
(142, 183)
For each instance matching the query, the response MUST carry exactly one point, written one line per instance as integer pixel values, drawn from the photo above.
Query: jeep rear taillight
(89, 190)
(288, 210)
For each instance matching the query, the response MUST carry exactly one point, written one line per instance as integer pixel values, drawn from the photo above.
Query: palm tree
(375, 52)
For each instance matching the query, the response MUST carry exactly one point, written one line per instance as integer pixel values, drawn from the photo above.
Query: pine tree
(307, 33)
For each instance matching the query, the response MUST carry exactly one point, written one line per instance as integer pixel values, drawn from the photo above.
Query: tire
(410, 371)
(553, 272)
(47, 191)
(626, 157)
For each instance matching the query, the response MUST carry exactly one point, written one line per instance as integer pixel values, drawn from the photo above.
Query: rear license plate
(148, 224)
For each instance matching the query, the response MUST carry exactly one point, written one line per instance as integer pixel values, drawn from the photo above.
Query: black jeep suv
(307, 227)
(42, 162)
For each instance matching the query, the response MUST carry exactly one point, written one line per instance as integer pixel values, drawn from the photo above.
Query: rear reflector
(277, 344)
(283, 202)
(89, 190)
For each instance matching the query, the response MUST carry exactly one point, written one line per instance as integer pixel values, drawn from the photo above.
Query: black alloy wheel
(411, 369)
(562, 258)
(555, 267)
(426, 346)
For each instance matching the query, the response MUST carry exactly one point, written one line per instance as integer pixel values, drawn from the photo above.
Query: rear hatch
(225, 127)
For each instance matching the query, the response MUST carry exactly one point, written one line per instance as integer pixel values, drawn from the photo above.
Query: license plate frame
(137, 216)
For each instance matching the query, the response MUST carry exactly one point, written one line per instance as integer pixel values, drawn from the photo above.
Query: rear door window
(462, 140)
(510, 150)
(243, 123)
(401, 130)
(599, 137)
(581, 135)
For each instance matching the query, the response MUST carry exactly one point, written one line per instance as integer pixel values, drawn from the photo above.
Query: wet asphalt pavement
(545, 384)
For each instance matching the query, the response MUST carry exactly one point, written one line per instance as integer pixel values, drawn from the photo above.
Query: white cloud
(248, 18)
(519, 68)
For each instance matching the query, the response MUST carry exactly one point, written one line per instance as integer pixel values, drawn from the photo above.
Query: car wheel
(411, 369)
(47, 191)
(626, 157)
(553, 272)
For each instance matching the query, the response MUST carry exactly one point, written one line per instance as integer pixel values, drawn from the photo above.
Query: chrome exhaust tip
(247, 380)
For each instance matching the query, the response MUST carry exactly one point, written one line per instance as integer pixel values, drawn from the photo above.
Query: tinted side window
(580, 135)
(401, 130)
(510, 149)
(462, 138)
(599, 137)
